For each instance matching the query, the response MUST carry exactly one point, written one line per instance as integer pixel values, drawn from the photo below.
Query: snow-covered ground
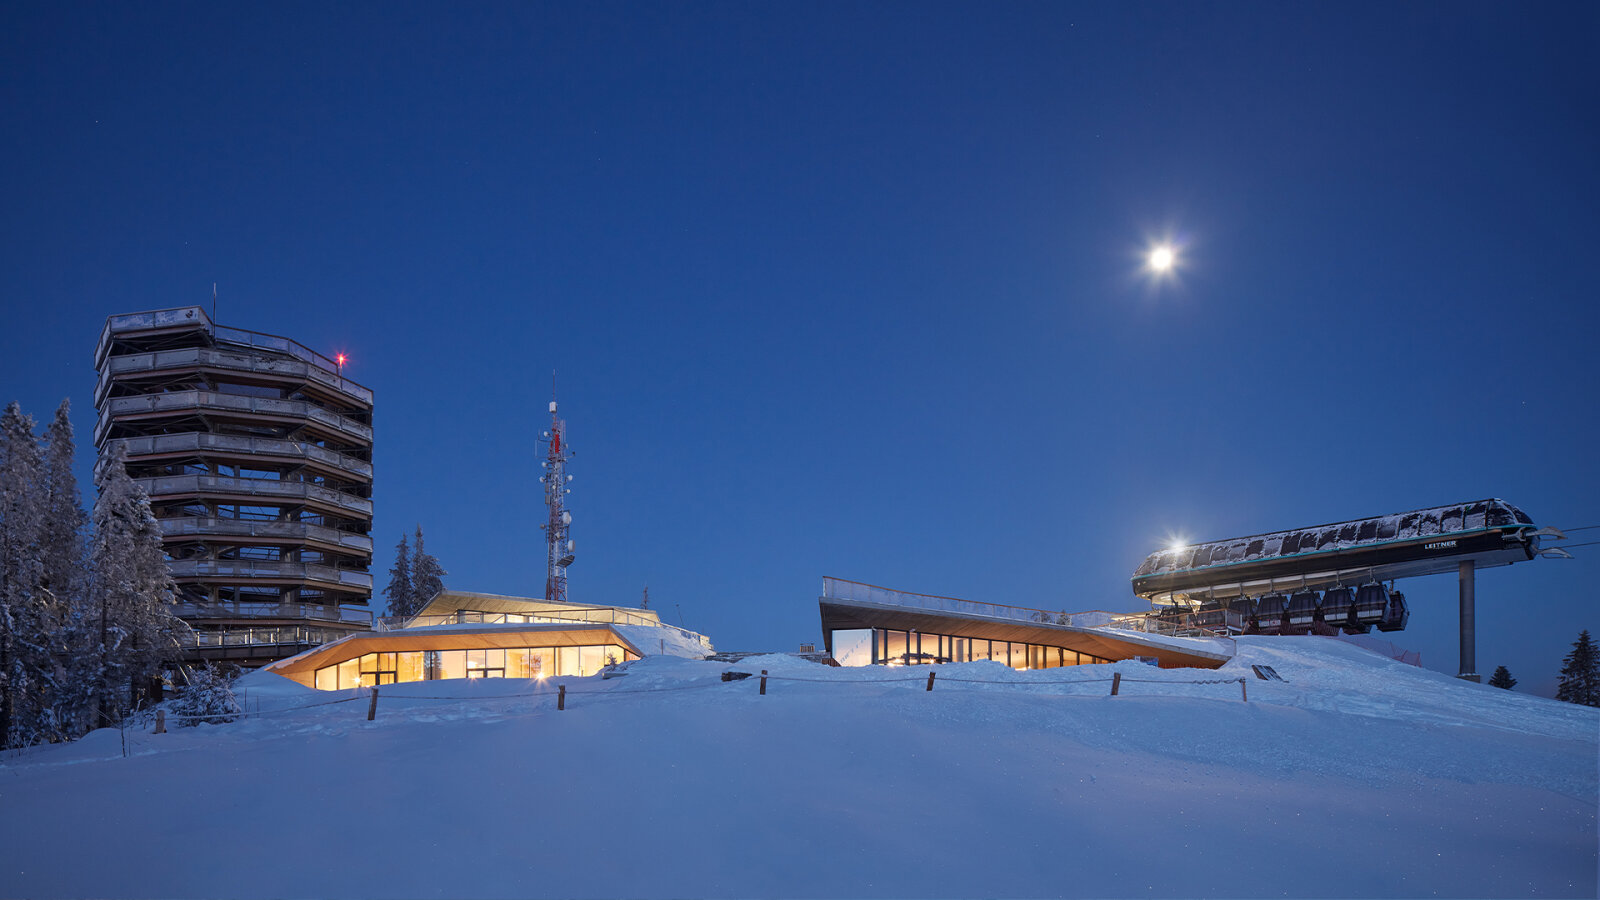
(1355, 777)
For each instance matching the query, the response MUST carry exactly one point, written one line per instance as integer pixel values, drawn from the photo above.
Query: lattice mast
(555, 478)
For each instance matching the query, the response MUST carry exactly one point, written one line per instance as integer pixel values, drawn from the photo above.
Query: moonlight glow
(1162, 259)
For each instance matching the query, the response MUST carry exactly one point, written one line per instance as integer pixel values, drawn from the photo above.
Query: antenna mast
(555, 480)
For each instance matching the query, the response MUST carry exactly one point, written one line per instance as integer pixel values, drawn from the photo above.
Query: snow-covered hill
(1356, 776)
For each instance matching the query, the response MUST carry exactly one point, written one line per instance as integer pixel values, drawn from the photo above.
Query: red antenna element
(555, 479)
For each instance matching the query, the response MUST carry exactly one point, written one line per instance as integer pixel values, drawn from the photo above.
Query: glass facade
(432, 665)
(886, 646)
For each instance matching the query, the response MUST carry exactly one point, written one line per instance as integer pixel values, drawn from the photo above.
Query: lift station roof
(1399, 545)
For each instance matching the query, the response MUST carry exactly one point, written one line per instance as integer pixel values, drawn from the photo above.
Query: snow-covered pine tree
(130, 594)
(25, 605)
(1502, 678)
(1580, 673)
(64, 518)
(427, 576)
(399, 590)
(208, 699)
(64, 525)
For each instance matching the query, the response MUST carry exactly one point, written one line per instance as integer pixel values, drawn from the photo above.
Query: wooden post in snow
(561, 697)
(1244, 689)
(930, 680)
(161, 721)
(372, 707)
(763, 682)
(1116, 683)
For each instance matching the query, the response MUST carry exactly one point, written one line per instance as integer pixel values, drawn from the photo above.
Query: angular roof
(1423, 541)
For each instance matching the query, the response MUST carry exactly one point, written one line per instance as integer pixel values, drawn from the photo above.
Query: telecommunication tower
(555, 479)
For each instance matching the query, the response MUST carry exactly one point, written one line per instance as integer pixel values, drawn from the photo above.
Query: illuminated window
(591, 660)
(408, 665)
(542, 662)
(486, 663)
(895, 651)
(452, 663)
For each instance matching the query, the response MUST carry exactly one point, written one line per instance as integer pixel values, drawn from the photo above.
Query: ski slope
(1355, 776)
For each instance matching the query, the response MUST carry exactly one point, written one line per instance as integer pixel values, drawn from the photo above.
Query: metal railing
(263, 568)
(261, 610)
(256, 636)
(593, 616)
(303, 491)
(1150, 623)
(237, 361)
(841, 589)
(582, 615)
(240, 445)
(182, 401)
(295, 532)
(196, 317)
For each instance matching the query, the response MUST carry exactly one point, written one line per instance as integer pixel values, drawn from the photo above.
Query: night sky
(858, 290)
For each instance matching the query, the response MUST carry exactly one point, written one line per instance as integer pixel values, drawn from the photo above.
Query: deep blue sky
(856, 290)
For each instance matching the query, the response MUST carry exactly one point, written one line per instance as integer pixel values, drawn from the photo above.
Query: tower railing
(241, 445)
(184, 401)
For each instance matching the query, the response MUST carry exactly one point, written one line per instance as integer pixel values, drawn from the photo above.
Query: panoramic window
(431, 665)
(853, 648)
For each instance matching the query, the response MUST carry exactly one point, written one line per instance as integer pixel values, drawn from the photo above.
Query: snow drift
(1355, 776)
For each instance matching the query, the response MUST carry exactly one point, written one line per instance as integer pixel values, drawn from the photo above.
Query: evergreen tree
(1502, 678)
(64, 518)
(25, 603)
(1580, 673)
(427, 576)
(63, 527)
(133, 630)
(209, 698)
(399, 590)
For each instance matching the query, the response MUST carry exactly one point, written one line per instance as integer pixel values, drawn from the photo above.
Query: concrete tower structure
(257, 456)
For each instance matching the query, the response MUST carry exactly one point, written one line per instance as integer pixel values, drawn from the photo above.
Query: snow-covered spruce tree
(26, 606)
(1580, 673)
(64, 519)
(208, 699)
(399, 590)
(64, 525)
(131, 625)
(1502, 678)
(427, 576)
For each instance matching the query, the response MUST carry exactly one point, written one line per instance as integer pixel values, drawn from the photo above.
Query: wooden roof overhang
(838, 615)
(447, 637)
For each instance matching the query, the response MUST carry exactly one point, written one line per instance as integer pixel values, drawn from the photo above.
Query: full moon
(1161, 259)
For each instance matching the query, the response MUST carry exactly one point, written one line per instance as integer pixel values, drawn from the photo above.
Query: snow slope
(1355, 777)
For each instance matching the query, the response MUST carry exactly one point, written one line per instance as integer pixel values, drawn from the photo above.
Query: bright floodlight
(1162, 259)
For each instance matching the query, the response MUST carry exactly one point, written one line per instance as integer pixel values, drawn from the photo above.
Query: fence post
(1116, 682)
(930, 680)
(372, 708)
(1244, 689)
(161, 721)
(763, 682)
(561, 697)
